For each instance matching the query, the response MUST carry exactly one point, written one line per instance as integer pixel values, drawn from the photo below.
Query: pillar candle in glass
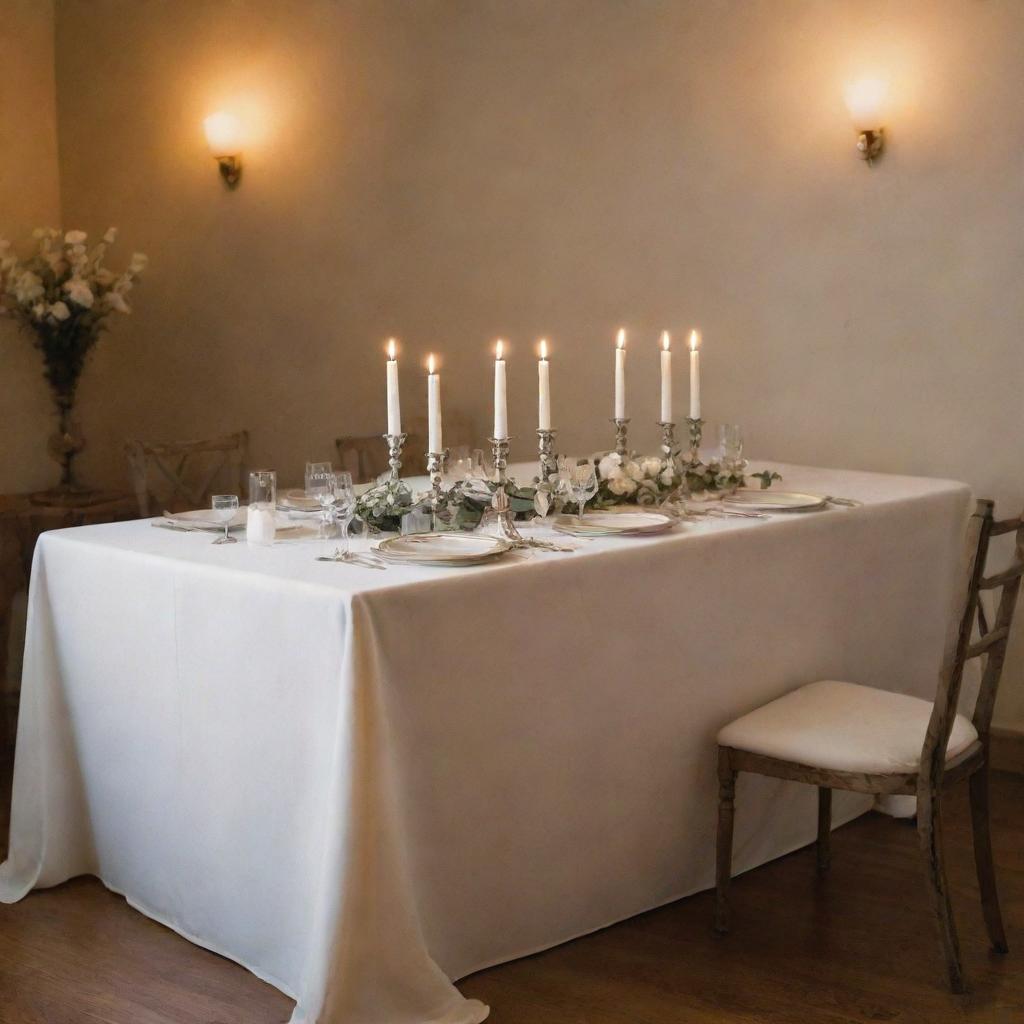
(666, 378)
(434, 437)
(394, 405)
(620, 374)
(544, 388)
(500, 394)
(694, 376)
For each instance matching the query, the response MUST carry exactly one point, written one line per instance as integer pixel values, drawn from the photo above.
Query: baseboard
(1006, 747)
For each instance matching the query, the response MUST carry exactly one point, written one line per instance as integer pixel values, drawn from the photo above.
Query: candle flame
(694, 341)
(665, 340)
(499, 349)
(391, 348)
(543, 348)
(620, 340)
(430, 363)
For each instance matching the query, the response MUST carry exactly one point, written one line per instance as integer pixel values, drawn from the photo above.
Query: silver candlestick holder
(696, 433)
(621, 436)
(435, 469)
(395, 443)
(668, 438)
(547, 457)
(501, 508)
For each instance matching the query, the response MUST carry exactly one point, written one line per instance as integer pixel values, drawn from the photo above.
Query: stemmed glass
(344, 505)
(583, 483)
(224, 508)
(320, 484)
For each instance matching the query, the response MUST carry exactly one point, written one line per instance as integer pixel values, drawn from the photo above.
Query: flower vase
(63, 446)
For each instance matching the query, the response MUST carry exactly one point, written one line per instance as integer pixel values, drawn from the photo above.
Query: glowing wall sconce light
(224, 137)
(866, 99)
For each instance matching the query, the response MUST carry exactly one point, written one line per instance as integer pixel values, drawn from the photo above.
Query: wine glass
(344, 505)
(320, 484)
(583, 481)
(224, 508)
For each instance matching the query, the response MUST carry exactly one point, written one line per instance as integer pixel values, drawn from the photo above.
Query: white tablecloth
(362, 784)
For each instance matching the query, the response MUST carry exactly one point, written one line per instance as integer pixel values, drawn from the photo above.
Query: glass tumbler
(260, 526)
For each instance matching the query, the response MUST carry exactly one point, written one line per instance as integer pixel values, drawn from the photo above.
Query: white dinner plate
(627, 521)
(775, 501)
(295, 500)
(452, 549)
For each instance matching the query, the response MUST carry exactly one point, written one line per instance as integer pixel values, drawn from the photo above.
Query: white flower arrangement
(638, 480)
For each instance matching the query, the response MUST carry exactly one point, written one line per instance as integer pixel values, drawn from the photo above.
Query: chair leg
(824, 845)
(723, 868)
(983, 860)
(929, 830)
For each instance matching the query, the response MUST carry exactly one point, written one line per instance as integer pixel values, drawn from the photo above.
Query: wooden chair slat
(1002, 578)
(1007, 526)
(988, 641)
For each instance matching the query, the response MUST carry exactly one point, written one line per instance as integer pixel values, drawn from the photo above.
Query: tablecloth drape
(361, 784)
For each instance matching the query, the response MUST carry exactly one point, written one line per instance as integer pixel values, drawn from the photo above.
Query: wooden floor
(856, 948)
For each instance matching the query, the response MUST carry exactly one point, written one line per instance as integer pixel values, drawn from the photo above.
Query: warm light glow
(543, 348)
(694, 341)
(223, 134)
(392, 349)
(620, 339)
(430, 363)
(866, 98)
(666, 342)
(499, 349)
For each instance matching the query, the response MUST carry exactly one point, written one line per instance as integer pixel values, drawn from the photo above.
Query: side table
(21, 523)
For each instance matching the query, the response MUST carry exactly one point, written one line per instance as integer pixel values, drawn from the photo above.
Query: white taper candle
(666, 379)
(620, 375)
(500, 396)
(394, 405)
(434, 435)
(694, 376)
(544, 388)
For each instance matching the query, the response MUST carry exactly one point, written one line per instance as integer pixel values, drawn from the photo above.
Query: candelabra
(501, 508)
(621, 433)
(696, 432)
(668, 438)
(395, 443)
(548, 460)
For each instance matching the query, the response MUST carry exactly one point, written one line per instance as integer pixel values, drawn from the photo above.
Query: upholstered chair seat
(843, 727)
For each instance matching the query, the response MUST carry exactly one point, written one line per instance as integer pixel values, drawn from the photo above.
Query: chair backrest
(990, 645)
(181, 475)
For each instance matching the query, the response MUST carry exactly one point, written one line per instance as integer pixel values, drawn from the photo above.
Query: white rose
(111, 236)
(138, 263)
(79, 292)
(28, 287)
(622, 486)
(39, 310)
(74, 238)
(115, 300)
(105, 277)
(667, 477)
(60, 311)
(651, 466)
(608, 465)
(634, 470)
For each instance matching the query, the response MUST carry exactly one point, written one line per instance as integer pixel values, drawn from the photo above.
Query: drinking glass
(224, 508)
(730, 444)
(416, 522)
(260, 526)
(344, 505)
(320, 483)
(458, 465)
(583, 481)
(481, 465)
(263, 488)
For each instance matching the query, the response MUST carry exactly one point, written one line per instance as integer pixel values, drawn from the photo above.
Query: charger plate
(625, 521)
(446, 549)
(775, 501)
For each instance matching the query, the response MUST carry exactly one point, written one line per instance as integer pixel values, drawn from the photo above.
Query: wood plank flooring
(854, 949)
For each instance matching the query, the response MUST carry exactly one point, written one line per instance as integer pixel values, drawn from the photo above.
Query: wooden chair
(842, 736)
(181, 475)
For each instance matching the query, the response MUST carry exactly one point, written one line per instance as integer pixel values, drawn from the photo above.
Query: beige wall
(450, 170)
(29, 198)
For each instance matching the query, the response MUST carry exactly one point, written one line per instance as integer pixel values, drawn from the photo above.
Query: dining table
(364, 784)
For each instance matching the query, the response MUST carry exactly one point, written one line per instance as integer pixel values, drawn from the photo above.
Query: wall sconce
(865, 99)
(224, 137)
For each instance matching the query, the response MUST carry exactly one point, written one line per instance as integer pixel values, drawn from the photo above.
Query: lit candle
(694, 376)
(500, 397)
(433, 407)
(544, 393)
(394, 407)
(666, 379)
(620, 375)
